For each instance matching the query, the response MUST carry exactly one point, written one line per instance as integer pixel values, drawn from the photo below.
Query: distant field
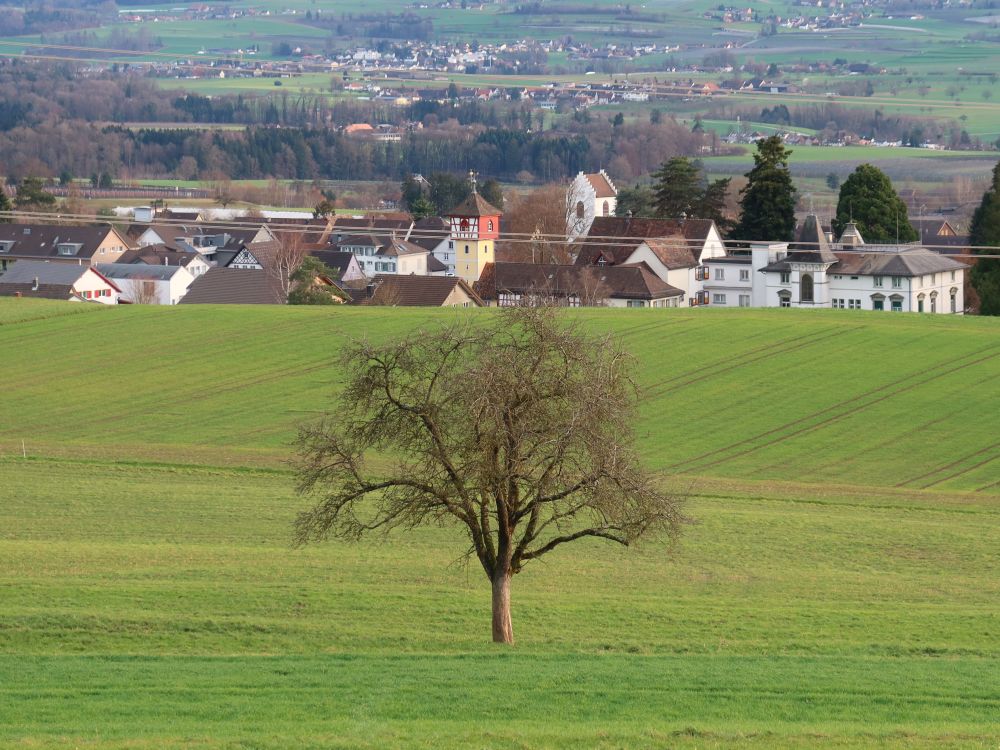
(836, 586)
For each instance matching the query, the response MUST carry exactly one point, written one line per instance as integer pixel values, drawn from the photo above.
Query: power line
(411, 233)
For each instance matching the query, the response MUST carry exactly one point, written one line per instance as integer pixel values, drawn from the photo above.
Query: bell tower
(475, 226)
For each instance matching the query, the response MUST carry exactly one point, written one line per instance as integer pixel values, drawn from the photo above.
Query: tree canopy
(4, 206)
(31, 194)
(985, 231)
(868, 196)
(521, 432)
(681, 189)
(767, 205)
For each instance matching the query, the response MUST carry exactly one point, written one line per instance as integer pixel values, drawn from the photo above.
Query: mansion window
(718, 299)
(838, 303)
(785, 299)
(854, 304)
(806, 288)
(635, 303)
(878, 305)
(952, 275)
(954, 300)
(933, 302)
(720, 274)
(897, 282)
(744, 300)
(876, 281)
(786, 277)
(744, 274)
(897, 304)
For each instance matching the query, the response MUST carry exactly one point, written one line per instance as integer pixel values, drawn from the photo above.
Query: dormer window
(5, 247)
(67, 248)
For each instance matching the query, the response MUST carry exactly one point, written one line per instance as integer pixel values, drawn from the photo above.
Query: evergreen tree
(31, 195)
(4, 206)
(767, 206)
(411, 191)
(985, 231)
(711, 204)
(447, 191)
(305, 291)
(638, 200)
(421, 208)
(869, 197)
(677, 187)
(492, 193)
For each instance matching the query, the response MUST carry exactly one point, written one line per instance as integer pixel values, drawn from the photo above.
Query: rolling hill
(836, 585)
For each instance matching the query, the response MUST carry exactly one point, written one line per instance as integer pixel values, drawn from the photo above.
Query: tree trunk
(503, 631)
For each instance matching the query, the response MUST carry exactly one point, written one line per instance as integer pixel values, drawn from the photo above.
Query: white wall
(92, 282)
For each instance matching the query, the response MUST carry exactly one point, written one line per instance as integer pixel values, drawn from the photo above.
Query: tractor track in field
(949, 465)
(728, 364)
(967, 469)
(835, 417)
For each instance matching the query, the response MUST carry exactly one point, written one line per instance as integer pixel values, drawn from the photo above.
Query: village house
(148, 284)
(417, 291)
(63, 281)
(852, 275)
(78, 245)
(162, 255)
(674, 250)
(517, 284)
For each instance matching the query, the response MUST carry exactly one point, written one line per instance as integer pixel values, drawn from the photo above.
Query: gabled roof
(420, 291)
(434, 265)
(46, 273)
(335, 260)
(890, 261)
(632, 281)
(43, 240)
(615, 238)
(395, 247)
(139, 271)
(160, 255)
(602, 185)
(233, 286)
(474, 205)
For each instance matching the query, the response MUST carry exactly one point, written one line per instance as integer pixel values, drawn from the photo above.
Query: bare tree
(141, 292)
(521, 432)
(541, 215)
(284, 260)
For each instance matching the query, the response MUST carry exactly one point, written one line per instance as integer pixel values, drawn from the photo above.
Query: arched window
(785, 299)
(579, 209)
(934, 296)
(464, 225)
(806, 288)
(954, 299)
(489, 225)
(920, 302)
(607, 209)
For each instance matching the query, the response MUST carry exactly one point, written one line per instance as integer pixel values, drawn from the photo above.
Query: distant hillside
(833, 397)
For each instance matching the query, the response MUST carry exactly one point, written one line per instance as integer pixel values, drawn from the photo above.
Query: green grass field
(836, 586)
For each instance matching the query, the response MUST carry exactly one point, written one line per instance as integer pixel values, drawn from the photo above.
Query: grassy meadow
(836, 585)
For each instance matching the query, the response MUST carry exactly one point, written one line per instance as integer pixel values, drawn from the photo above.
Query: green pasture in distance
(835, 586)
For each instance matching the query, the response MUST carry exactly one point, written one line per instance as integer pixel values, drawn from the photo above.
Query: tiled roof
(601, 184)
(811, 244)
(138, 271)
(46, 273)
(233, 286)
(474, 205)
(335, 260)
(903, 261)
(42, 240)
(615, 238)
(419, 291)
(159, 255)
(633, 281)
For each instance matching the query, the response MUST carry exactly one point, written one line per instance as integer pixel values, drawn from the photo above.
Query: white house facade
(896, 278)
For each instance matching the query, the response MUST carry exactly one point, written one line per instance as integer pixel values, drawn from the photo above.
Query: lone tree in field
(519, 431)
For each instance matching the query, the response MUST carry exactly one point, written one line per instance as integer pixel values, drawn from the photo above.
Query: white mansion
(854, 275)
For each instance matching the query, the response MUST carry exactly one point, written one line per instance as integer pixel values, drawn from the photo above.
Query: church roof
(474, 205)
(602, 185)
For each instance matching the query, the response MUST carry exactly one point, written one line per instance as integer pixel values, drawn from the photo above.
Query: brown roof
(811, 244)
(602, 186)
(44, 291)
(42, 240)
(158, 255)
(420, 291)
(615, 238)
(335, 260)
(632, 281)
(233, 286)
(429, 232)
(474, 205)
